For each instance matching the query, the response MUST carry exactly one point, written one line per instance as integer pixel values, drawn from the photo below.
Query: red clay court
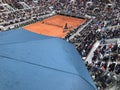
(54, 26)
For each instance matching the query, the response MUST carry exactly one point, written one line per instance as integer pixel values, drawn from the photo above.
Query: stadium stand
(103, 22)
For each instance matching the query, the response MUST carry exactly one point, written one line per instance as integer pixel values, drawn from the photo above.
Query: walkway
(89, 57)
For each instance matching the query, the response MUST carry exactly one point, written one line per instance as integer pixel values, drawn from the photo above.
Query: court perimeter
(54, 26)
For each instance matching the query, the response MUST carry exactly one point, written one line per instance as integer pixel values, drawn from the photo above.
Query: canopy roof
(29, 61)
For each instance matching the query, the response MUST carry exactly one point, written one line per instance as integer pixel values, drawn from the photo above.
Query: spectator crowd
(105, 66)
(103, 14)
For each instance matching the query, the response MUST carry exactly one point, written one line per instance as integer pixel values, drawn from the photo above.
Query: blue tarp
(19, 35)
(40, 63)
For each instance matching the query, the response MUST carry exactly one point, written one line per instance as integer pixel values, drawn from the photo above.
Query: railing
(80, 29)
